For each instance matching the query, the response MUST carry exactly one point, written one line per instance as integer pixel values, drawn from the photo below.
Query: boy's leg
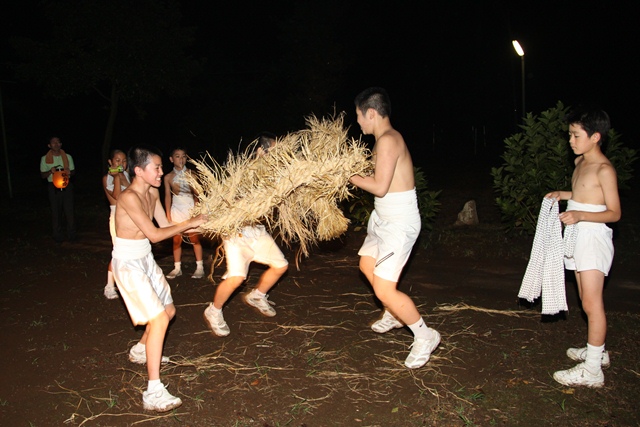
(590, 288)
(258, 297)
(157, 329)
(270, 277)
(197, 251)
(425, 340)
(177, 256)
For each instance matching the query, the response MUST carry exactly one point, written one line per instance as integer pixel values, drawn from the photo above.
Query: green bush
(360, 206)
(538, 160)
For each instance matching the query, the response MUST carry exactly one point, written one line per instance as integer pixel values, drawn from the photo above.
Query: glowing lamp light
(60, 179)
(518, 48)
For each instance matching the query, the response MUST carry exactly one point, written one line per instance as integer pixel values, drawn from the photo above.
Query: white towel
(545, 272)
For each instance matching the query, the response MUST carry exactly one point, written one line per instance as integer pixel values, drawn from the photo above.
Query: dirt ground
(317, 363)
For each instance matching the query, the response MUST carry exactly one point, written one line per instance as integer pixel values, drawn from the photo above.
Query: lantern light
(60, 179)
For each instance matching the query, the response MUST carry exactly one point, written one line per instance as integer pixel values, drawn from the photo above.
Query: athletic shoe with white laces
(110, 292)
(579, 375)
(160, 400)
(580, 354)
(174, 273)
(198, 274)
(216, 322)
(262, 303)
(140, 357)
(421, 350)
(386, 323)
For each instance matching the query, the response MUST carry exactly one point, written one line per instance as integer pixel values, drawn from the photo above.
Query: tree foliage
(538, 160)
(132, 51)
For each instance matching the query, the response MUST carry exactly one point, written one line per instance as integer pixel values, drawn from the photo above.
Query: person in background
(178, 201)
(61, 199)
(114, 182)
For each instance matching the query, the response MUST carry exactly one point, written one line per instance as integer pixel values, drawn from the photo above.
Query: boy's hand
(570, 217)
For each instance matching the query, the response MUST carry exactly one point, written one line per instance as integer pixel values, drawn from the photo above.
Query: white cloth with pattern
(544, 276)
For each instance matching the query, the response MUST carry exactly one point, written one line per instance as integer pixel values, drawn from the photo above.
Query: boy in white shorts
(141, 283)
(252, 244)
(394, 225)
(178, 201)
(592, 202)
(114, 182)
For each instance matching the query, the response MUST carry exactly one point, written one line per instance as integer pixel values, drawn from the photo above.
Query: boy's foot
(110, 292)
(160, 400)
(140, 357)
(260, 302)
(421, 350)
(198, 274)
(174, 273)
(579, 375)
(386, 323)
(216, 322)
(580, 354)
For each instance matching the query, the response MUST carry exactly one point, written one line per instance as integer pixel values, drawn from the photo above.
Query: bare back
(393, 161)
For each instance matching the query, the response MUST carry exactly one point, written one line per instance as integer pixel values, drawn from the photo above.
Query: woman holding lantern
(57, 167)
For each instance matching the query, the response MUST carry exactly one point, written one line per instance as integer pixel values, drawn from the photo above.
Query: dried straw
(294, 190)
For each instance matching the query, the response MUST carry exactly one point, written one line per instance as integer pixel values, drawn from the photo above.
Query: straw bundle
(294, 190)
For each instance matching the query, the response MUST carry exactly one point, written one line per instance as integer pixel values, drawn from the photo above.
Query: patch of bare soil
(317, 363)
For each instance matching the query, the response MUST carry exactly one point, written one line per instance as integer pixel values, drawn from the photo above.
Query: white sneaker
(262, 303)
(580, 354)
(216, 322)
(140, 357)
(579, 375)
(386, 323)
(110, 292)
(160, 400)
(421, 350)
(198, 274)
(174, 273)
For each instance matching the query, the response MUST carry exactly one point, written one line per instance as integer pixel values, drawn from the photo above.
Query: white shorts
(594, 242)
(394, 226)
(140, 280)
(181, 210)
(252, 244)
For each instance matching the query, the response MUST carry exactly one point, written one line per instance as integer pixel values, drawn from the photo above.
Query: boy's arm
(132, 205)
(559, 195)
(385, 163)
(160, 216)
(167, 197)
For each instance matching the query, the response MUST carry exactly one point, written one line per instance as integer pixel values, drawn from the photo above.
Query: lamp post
(520, 53)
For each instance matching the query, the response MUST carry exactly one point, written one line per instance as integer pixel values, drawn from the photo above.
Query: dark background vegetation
(451, 71)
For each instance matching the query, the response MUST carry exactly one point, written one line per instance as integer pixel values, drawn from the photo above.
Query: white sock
(593, 358)
(139, 347)
(215, 309)
(153, 384)
(420, 330)
(260, 294)
(177, 265)
(199, 264)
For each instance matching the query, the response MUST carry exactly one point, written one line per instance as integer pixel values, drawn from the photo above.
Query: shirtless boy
(592, 202)
(178, 201)
(394, 224)
(143, 287)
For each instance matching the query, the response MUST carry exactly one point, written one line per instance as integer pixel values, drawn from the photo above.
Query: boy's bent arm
(385, 165)
(160, 216)
(133, 207)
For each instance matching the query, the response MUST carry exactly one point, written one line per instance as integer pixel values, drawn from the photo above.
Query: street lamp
(520, 53)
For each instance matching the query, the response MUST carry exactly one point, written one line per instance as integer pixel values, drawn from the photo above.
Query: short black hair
(592, 120)
(139, 156)
(376, 98)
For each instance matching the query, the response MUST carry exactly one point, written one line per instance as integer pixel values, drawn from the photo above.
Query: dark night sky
(448, 68)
